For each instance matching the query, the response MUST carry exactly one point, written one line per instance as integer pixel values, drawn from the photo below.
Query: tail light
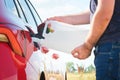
(3, 38)
(18, 39)
(6, 35)
(14, 51)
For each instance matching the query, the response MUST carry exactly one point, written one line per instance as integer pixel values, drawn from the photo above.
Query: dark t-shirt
(112, 32)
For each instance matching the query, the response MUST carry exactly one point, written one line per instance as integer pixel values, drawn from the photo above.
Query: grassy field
(81, 76)
(54, 76)
(72, 76)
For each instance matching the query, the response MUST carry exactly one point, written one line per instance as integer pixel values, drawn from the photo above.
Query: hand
(81, 52)
(56, 18)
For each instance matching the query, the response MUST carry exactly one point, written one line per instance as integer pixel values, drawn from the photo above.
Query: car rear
(16, 46)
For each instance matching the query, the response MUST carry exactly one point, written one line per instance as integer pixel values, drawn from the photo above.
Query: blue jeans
(107, 61)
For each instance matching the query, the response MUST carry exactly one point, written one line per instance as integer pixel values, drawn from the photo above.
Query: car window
(24, 10)
(34, 12)
(11, 6)
(15, 8)
(27, 13)
(20, 11)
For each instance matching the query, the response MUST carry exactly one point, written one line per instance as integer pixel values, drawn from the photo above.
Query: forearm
(98, 26)
(78, 19)
(99, 23)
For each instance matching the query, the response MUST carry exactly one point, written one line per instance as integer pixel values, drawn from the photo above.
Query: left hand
(81, 52)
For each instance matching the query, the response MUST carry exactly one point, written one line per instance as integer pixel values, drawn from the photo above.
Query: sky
(50, 8)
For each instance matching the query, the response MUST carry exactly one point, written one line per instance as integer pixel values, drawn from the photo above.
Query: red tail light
(13, 50)
(7, 36)
(18, 39)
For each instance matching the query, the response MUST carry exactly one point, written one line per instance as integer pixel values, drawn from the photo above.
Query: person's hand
(82, 51)
(56, 18)
(64, 19)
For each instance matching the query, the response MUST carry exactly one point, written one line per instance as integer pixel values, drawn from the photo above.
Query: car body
(16, 45)
(22, 55)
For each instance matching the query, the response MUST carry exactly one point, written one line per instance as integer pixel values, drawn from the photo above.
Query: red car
(17, 18)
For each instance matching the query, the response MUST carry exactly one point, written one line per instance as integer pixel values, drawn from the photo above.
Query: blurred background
(48, 8)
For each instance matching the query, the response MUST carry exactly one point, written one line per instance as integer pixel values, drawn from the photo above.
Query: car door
(32, 20)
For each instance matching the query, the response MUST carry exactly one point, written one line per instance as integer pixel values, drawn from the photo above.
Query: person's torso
(112, 32)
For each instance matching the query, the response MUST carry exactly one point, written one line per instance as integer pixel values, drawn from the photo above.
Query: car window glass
(27, 13)
(21, 9)
(20, 12)
(14, 7)
(36, 16)
(11, 6)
